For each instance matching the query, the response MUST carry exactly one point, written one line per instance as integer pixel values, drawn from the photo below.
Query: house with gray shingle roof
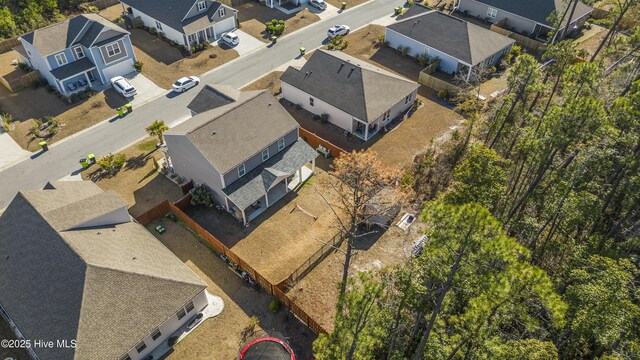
(78, 53)
(244, 146)
(187, 22)
(528, 17)
(352, 94)
(459, 45)
(75, 267)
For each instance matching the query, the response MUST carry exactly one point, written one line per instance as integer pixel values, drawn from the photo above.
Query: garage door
(119, 69)
(225, 26)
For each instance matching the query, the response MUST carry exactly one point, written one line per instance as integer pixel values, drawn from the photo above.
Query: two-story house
(187, 22)
(78, 53)
(76, 269)
(527, 16)
(355, 95)
(244, 146)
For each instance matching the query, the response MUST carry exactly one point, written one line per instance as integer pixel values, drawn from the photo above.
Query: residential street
(62, 158)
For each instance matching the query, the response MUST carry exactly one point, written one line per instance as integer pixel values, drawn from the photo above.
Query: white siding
(169, 327)
(169, 33)
(225, 25)
(448, 64)
(336, 116)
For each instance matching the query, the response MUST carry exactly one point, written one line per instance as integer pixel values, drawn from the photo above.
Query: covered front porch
(363, 130)
(201, 36)
(262, 187)
(75, 77)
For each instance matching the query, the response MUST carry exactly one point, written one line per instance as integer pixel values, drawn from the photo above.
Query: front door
(90, 76)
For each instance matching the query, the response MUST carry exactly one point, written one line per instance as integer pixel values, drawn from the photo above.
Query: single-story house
(75, 268)
(187, 22)
(527, 16)
(459, 45)
(244, 146)
(78, 53)
(355, 95)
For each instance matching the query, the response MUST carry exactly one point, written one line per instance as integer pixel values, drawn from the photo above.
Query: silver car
(318, 4)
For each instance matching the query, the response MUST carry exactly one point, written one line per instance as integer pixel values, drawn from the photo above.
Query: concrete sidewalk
(10, 151)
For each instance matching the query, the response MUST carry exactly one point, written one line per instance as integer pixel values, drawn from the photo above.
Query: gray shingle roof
(464, 41)
(214, 96)
(251, 187)
(537, 10)
(229, 135)
(73, 265)
(57, 37)
(71, 69)
(173, 13)
(351, 85)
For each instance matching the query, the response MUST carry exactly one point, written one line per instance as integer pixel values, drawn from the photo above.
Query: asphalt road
(62, 158)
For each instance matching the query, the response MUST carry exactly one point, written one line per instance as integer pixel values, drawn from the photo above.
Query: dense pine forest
(533, 211)
(21, 16)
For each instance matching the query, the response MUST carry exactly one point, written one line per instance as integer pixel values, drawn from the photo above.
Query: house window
(113, 49)
(156, 334)
(158, 25)
(221, 12)
(202, 6)
(140, 347)
(491, 12)
(181, 314)
(280, 144)
(241, 171)
(61, 59)
(386, 115)
(407, 99)
(311, 101)
(265, 154)
(189, 306)
(79, 52)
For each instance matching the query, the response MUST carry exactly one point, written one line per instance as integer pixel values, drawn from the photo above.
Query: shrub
(275, 306)
(24, 67)
(93, 9)
(138, 65)
(7, 119)
(410, 3)
(338, 43)
(324, 118)
(443, 94)
(201, 196)
(207, 44)
(153, 31)
(172, 43)
(381, 39)
(405, 51)
(275, 27)
(399, 48)
(423, 59)
(111, 163)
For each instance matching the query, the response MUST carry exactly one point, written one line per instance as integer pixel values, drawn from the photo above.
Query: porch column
(266, 197)
(87, 78)
(469, 74)
(313, 165)
(226, 204)
(366, 132)
(286, 185)
(244, 218)
(300, 176)
(215, 36)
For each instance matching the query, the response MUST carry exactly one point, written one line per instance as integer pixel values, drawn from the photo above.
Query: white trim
(55, 57)
(202, 6)
(75, 52)
(284, 143)
(105, 46)
(263, 153)
(244, 170)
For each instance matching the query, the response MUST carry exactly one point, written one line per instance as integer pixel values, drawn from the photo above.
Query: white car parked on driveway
(185, 83)
(338, 30)
(231, 39)
(318, 4)
(123, 87)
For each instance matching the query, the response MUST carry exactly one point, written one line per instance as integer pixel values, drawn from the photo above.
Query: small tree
(275, 27)
(201, 196)
(157, 128)
(111, 163)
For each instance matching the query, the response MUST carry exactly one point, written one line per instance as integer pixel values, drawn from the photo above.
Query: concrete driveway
(247, 43)
(10, 151)
(147, 90)
(327, 13)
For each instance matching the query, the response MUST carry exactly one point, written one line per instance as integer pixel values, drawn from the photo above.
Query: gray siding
(111, 60)
(516, 22)
(188, 162)
(256, 160)
(52, 59)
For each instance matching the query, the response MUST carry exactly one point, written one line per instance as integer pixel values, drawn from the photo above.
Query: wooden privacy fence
(8, 45)
(524, 41)
(21, 82)
(102, 4)
(165, 207)
(314, 141)
(436, 84)
(311, 262)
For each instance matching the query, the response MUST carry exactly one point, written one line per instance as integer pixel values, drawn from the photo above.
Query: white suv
(122, 86)
(338, 30)
(231, 39)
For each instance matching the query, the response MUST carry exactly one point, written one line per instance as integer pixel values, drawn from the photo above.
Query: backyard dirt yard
(591, 39)
(138, 183)
(350, 3)
(164, 64)
(253, 16)
(317, 293)
(270, 82)
(220, 337)
(112, 12)
(281, 238)
(8, 70)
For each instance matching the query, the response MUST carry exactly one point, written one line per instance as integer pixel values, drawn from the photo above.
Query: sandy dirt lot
(220, 337)
(281, 238)
(138, 183)
(253, 16)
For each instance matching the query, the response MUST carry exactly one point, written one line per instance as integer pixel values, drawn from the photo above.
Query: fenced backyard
(21, 82)
(273, 289)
